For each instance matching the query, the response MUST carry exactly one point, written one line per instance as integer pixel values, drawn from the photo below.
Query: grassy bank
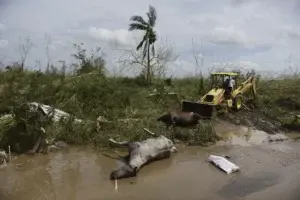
(123, 101)
(279, 100)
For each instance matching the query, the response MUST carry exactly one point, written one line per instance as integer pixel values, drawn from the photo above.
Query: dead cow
(142, 153)
(181, 119)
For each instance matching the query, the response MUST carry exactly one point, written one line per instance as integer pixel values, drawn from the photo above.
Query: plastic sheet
(223, 164)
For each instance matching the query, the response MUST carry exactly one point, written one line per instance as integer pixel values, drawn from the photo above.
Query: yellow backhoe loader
(220, 96)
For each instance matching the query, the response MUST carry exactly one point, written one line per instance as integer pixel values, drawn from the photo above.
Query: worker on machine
(231, 84)
(226, 85)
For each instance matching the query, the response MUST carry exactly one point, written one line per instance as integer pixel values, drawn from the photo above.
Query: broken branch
(150, 132)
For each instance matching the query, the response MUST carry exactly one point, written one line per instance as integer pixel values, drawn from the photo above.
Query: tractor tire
(238, 102)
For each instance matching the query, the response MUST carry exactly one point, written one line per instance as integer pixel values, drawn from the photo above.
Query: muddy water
(268, 170)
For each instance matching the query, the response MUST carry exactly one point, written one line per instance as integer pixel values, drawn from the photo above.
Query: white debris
(223, 164)
(57, 114)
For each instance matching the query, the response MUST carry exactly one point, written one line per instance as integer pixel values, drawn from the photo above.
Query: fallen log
(141, 154)
(42, 145)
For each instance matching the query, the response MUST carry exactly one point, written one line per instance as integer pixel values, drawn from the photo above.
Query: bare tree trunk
(148, 66)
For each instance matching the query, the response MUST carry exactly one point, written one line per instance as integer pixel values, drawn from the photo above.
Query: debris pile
(24, 128)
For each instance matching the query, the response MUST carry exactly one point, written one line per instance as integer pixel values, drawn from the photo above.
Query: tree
(149, 38)
(199, 66)
(24, 49)
(87, 64)
(130, 58)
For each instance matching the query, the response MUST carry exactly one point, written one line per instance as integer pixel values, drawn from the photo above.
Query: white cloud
(243, 66)
(290, 33)
(181, 68)
(3, 44)
(120, 36)
(230, 36)
(2, 27)
(257, 31)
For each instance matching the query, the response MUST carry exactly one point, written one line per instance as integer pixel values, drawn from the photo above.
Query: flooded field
(268, 170)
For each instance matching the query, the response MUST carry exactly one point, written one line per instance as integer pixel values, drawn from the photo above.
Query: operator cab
(221, 80)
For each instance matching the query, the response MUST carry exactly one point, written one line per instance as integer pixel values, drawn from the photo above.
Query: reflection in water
(84, 174)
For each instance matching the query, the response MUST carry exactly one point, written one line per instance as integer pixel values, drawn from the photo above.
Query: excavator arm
(247, 85)
(208, 104)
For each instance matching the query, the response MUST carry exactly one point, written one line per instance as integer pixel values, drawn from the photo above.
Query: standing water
(267, 170)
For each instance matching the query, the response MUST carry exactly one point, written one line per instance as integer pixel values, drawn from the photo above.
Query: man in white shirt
(231, 84)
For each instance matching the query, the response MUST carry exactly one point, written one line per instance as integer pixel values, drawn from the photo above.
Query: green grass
(90, 96)
(279, 99)
(87, 98)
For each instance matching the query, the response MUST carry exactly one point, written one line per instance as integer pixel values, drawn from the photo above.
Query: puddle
(243, 186)
(81, 173)
(247, 136)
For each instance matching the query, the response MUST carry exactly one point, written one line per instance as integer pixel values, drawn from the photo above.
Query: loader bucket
(204, 110)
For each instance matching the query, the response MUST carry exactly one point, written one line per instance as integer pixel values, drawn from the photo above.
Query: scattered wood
(3, 158)
(102, 121)
(174, 94)
(246, 107)
(129, 119)
(150, 132)
(41, 143)
(116, 184)
(142, 153)
(9, 154)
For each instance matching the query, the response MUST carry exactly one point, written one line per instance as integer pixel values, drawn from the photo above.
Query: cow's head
(124, 171)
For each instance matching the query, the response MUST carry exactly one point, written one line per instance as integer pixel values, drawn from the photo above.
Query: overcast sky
(261, 34)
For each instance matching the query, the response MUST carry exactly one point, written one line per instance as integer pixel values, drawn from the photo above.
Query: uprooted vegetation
(124, 103)
(120, 108)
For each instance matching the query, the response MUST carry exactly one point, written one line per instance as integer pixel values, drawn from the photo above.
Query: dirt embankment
(253, 118)
(264, 118)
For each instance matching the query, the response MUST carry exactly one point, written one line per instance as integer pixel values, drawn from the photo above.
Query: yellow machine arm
(245, 86)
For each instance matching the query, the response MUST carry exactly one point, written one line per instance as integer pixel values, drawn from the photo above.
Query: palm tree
(149, 38)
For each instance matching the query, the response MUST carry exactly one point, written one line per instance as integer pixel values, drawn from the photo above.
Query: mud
(268, 170)
(255, 119)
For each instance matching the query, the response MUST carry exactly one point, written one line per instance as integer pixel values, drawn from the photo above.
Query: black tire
(238, 102)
